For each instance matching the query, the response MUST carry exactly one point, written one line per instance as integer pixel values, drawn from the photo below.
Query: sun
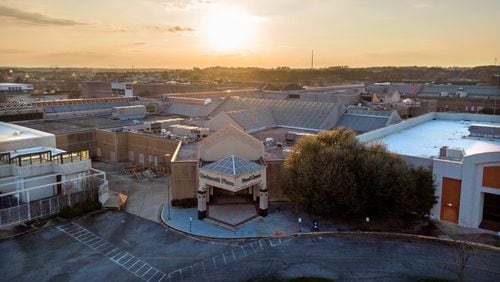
(228, 29)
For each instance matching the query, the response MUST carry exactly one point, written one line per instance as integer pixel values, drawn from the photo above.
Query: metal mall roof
(233, 165)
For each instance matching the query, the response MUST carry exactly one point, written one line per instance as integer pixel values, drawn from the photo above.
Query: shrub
(80, 209)
(334, 174)
(185, 203)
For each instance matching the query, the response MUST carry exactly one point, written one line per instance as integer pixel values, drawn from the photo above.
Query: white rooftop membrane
(425, 140)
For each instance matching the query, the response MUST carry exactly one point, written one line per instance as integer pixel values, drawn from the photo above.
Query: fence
(13, 210)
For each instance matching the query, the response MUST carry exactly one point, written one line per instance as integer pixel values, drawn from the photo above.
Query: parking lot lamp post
(168, 202)
(300, 224)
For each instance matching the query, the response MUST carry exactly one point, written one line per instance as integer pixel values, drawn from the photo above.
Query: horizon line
(251, 67)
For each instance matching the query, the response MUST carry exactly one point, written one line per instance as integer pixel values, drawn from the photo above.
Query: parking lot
(118, 246)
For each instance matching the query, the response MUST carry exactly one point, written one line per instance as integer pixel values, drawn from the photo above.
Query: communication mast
(312, 59)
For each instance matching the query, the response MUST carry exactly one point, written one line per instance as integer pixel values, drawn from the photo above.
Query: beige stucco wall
(128, 146)
(183, 179)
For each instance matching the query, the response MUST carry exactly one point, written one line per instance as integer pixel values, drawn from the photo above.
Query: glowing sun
(228, 29)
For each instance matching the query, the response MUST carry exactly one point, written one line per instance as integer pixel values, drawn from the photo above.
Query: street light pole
(498, 93)
(168, 201)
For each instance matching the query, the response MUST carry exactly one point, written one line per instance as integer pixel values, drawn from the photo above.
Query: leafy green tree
(333, 173)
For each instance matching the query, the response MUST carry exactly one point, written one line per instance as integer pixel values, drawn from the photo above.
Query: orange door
(450, 199)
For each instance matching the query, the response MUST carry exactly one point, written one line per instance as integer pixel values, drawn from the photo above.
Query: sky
(260, 33)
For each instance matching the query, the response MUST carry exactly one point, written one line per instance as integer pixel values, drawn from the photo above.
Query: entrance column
(263, 193)
(202, 203)
(208, 190)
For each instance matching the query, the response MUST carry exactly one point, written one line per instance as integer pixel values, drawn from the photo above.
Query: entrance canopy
(232, 173)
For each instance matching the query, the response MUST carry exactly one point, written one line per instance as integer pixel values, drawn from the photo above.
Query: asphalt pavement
(118, 246)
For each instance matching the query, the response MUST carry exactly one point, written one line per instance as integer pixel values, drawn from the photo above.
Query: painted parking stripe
(218, 261)
(126, 260)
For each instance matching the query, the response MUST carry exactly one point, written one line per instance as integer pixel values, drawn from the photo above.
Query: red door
(450, 199)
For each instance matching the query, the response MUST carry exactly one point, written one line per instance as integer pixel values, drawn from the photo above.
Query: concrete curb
(164, 222)
(340, 233)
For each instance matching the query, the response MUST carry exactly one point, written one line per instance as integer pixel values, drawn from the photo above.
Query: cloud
(421, 5)
(79, 55)
(172, 28)
(139, 43)
(183, 4)
(14, 51)
(35, 18)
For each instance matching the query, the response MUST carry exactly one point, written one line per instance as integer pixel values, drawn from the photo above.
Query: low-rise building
(466, 166)
(15, 88)
(37, 179)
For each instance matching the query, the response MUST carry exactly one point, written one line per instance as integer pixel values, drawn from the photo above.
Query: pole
(168, 203)
(495, 103)
(312, 59)
(190, 224)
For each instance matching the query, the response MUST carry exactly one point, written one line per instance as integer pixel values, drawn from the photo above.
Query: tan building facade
(148, 150)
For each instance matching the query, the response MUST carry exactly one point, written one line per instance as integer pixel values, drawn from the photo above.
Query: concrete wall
(41, 193)
(472, 193)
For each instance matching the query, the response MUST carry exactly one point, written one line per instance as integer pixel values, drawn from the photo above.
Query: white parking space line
(218, 261)
(145, 272)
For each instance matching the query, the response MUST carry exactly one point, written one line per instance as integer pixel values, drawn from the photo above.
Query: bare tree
(464, 252)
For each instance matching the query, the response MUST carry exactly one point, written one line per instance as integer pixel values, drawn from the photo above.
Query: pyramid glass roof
(233, 165)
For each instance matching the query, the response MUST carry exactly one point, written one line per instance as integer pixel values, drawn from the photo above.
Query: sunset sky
(262, 33)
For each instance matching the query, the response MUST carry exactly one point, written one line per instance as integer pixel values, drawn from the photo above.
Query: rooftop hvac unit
(451, 153)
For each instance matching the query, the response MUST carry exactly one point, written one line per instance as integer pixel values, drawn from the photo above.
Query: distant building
(15, 88)
(95, 89)
(122, 88)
